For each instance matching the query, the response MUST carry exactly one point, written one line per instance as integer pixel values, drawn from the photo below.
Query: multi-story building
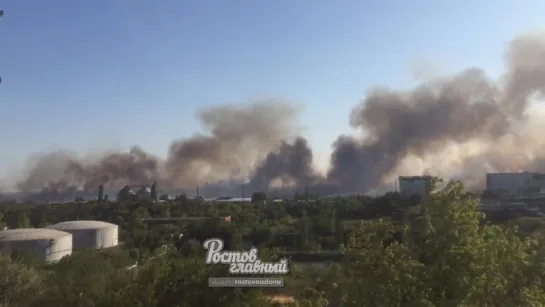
(415, 185)
(524, 183)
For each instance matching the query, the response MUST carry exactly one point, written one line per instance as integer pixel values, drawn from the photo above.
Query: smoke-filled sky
(109, 75)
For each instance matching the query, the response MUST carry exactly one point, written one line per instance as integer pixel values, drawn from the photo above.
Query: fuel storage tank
(90, 234)
(48, 244)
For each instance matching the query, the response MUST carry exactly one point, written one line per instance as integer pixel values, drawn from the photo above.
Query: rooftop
(22, 234)
(144, 190)
(81, 225)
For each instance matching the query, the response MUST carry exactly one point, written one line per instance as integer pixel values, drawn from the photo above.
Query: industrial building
(48, 244)
(415, 185)
(144, 193)
(524, 183)
(90, 234)
(126, 194)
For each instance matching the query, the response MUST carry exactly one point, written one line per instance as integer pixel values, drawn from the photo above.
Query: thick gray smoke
(238, 136)
(442, 123)
(291, 164)
(418, 122)
(456, 110)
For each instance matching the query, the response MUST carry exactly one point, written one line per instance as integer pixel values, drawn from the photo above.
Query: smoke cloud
(458, 110)
(238, 136)
(460, 126)
(418, 122)
(292, 163)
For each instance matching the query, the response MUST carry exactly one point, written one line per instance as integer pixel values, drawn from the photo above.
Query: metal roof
(23, 234)
(72, 225)
(144, 190)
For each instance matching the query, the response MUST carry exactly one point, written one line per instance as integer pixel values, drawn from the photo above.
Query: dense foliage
(359, 251)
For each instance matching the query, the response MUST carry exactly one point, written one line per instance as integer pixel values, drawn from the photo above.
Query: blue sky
(85, 75)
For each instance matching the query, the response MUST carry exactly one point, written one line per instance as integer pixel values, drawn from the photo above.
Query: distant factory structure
(415, 185)
(143, 193)
(48, 244)
(516, 184)
(160, 220)
(229, 199)
(89, 234)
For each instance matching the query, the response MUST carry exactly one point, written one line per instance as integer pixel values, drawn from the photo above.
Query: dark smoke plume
(238, 136)
(454, 126)
(291, 164)
(423, 121)
(418, 122)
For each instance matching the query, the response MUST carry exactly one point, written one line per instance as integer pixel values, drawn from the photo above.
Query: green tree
(305, 232)
(20, 285)
(2, 222)
(448, 258)
(72, 282)
(23, 221)
(171, 281)
(41, 217)
(339, 232)
(259, 197)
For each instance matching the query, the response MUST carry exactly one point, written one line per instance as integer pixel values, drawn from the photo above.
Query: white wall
(47, 249)
(60, 248)
(94, 238)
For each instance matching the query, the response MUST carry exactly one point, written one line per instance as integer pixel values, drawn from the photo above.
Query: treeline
(99, 278)
(385, 251)
(288, 225)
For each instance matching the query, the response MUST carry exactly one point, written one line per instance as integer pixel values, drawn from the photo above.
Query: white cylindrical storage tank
(49, 244)
(89, 234)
